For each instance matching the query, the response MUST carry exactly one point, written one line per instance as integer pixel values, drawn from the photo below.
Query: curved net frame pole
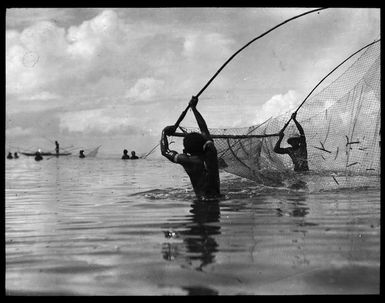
(183, 114)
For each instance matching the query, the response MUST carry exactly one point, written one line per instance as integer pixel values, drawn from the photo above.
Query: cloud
(24, 17)
(18, 131)
(199, 44)
(102, 121)
(91, 36)
(86, 62)
(89, 120)
(278, 104)
(145, 89)
(44, 95)
(47, 57)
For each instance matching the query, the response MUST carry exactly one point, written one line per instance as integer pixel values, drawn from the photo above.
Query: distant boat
(46, 154)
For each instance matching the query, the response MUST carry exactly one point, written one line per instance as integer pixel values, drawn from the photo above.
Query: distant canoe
(46, 154)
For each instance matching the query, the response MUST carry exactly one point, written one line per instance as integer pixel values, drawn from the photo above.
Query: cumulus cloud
(45, 55)
(278, 104)
(91, 36)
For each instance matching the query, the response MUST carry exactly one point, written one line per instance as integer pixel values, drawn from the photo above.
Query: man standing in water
(57, 147)
(298, 149)
(199, 158)
(38, 156)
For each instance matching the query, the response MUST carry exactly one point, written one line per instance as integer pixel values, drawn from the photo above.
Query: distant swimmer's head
(193, 143)
(125, 151)
(133, 153)
(294, 141)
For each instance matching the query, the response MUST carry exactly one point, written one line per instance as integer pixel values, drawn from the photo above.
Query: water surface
(105, 226)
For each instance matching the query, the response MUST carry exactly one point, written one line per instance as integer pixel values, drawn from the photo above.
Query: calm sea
(105, 226)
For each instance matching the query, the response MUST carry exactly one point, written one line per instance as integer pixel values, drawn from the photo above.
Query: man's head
(125, 151)
(193, 143)
(133, 153)
(293, 141)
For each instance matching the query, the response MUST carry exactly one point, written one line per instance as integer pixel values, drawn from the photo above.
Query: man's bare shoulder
(185, 159)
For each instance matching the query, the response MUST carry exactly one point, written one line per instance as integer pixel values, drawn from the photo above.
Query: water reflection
(295, 206)
(198, 246)
(200, 291)
(300, 209)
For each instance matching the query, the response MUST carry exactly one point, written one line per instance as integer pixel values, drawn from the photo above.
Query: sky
(117, 76)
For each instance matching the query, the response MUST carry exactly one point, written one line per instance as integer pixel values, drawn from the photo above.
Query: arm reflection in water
(198, 246)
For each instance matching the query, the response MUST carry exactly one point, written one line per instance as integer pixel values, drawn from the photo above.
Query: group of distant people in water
(200, 160)
(15, 156)
(39, 156)
(126, 156)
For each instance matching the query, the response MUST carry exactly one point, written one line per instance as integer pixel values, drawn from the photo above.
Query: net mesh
(342, 124)
(92, 153)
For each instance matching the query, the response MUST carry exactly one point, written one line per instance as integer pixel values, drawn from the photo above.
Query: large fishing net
(342, 124)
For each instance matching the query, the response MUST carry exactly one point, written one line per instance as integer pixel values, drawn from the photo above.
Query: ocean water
(104, 226)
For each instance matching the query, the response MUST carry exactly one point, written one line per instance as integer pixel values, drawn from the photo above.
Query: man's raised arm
(169, 154)
(300, 129)
(277, 148)
(201, 122)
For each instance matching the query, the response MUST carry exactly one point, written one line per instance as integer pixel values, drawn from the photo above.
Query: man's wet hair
(193, 143)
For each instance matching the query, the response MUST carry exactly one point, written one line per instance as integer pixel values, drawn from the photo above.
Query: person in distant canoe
(15, 155)
(199, 158)
(298, 149)
(134, 156)
(57, 148)
(38, 156)
(9, 156)
(125, 155)
(81, 154)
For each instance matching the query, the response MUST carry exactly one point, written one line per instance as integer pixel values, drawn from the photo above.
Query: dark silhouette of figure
(38, 156)
(9, 156)
(199, 158)
(134, 156)
(125, 155)
(57, 148)
(81, 154)
(298, 149)
(16, 156)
